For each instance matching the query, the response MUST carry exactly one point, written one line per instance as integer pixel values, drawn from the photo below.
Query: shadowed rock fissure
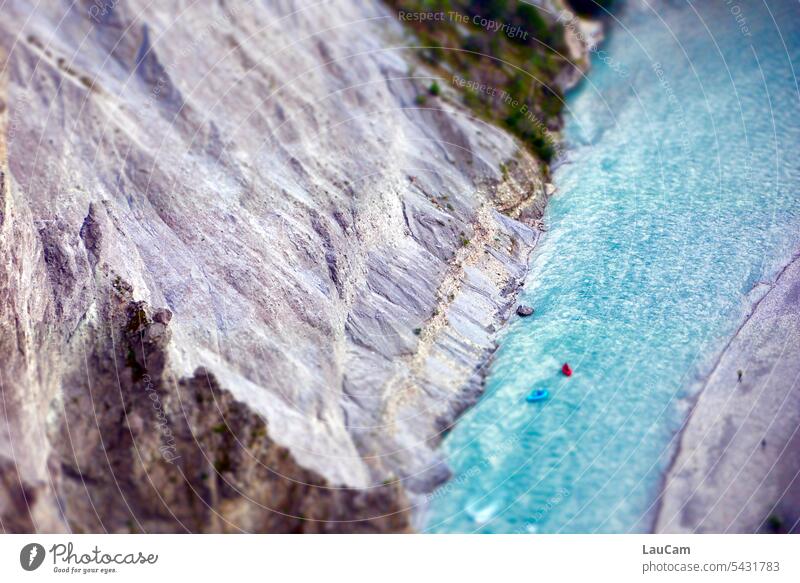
(139, 450)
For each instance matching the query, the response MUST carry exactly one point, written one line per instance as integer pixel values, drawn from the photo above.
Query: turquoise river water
(679, 191)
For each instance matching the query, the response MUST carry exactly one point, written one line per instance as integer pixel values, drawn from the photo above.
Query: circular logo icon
(31, 556)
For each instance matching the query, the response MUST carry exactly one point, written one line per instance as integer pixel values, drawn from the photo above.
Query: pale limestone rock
(329, 256)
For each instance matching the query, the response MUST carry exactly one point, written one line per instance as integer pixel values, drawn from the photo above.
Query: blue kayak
(537, 395)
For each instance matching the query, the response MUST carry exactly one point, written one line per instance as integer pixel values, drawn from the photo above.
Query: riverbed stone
(524, 311)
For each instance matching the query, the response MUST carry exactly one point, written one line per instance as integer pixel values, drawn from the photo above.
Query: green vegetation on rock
(501, 55)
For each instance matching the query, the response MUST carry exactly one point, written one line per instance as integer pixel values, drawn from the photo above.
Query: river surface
(680, 191)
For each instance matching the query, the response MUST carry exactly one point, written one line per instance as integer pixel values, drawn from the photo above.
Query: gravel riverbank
(738, 464)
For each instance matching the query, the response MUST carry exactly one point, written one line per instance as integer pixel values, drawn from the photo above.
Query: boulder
(524, 310)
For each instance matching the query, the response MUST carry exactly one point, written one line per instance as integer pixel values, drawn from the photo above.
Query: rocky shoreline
(737, 468)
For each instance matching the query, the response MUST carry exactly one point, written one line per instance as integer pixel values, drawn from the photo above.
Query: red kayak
(566, 370)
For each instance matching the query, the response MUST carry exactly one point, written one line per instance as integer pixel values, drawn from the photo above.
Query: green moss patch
(502, 56)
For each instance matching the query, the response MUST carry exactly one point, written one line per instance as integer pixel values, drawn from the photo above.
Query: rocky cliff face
(247, 282)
